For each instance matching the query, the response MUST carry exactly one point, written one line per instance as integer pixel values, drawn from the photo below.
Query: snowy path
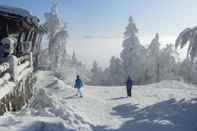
(165, 106)
(97, 104)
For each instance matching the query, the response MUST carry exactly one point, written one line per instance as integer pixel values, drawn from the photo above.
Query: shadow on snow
(170, 115)
(118, 98)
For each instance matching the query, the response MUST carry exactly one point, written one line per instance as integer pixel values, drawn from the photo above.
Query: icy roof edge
(19, 12)
(16, 11)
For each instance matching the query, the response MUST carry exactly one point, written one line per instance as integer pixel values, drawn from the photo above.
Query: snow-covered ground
(47, 110)
(165, 106)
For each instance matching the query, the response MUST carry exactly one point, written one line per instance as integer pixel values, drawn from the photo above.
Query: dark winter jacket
(129, 83)
(78, 83)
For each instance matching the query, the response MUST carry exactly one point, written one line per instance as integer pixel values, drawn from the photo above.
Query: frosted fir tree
(185, 70)
(133, 53)
(57, 36)
(74, 59)
(188, 36)
(115, 72)
(153, 60)
(188, 70)
(160, 63)
(96, 75)
(194, 72)
(78, 67)
(154, 47)
(168, 64)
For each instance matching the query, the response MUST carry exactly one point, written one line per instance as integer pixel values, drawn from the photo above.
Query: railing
(4, 76)
(22, 59)
(4, 67)
(25, 66)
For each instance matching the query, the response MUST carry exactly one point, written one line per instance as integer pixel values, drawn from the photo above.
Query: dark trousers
(129, 91)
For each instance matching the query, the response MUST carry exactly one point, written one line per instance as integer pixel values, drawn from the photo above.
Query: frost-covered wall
(15, 93)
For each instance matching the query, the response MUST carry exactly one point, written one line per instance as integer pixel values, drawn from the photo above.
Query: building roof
(13, 13)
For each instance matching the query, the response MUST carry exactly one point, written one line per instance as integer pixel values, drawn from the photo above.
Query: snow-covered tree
(194, 72)
(133, 53)
(57, 36)
(185, 70)
(188, 68)
(188, 36)
(153, 60)
(168, 63)
(96, 75)
(112, 75)
(188, 71)
(160, 63)
(74, 58)
(115, 72)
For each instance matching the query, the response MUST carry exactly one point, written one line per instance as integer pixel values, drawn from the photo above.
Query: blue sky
(95, 27)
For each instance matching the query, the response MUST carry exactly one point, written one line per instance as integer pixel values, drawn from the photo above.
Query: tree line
(151, 64)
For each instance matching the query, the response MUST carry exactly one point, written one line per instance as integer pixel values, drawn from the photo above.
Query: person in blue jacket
(78, 85)
(129, 85)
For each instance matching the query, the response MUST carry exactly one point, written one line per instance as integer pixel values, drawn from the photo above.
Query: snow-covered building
(20, 36)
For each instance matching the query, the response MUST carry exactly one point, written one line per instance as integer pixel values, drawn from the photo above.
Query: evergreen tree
(116, 72)
(153, 60)
(57, 36)
(168, 63)
(74, 59)
(133, 53)
(188, 68)
(188, 36)
(160, 62)
(96, 75)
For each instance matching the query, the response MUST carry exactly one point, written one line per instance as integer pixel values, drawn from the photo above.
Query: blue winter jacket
(78, 83)
(129, 83)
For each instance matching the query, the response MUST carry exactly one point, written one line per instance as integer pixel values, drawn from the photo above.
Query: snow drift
(47, 111)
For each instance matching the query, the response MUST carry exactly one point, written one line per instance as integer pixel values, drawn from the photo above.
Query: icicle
(10, 106)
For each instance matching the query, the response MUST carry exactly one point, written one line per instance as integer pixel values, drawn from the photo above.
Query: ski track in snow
(165, 106)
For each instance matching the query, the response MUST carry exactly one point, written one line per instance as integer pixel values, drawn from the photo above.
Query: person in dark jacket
(129, 85)
(78, 85)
